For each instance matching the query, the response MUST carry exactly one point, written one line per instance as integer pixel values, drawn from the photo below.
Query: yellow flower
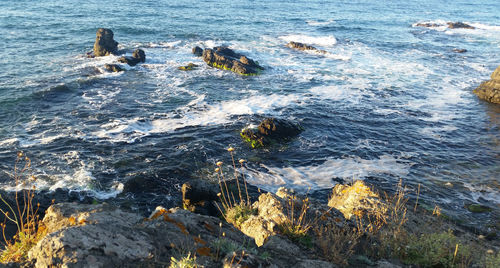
(242, 161)
(217, 169)
(219, 163)
(230, 149)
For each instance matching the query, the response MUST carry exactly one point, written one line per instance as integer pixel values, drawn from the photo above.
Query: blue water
(389, 100)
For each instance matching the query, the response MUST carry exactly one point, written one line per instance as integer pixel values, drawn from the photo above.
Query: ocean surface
(389, 100)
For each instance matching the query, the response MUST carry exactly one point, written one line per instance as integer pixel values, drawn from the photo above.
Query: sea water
(388, 101)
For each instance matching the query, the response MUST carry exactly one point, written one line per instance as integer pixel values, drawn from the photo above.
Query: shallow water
(388, 101)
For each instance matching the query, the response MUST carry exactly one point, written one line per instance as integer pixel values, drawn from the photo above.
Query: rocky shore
(356, 227)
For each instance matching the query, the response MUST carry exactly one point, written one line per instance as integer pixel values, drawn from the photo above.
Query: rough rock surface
(269, 131)
(355, 199)
(137, 56)
(198, 51)
(490, 90)
(113, 68)
(104, 43)
(189, 67)
(225, 58)
(303, 47)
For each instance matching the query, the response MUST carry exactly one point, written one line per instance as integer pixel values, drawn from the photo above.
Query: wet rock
(269, 131)
(478, 208)
(225, 58)
(490, 90)
(104, 43)
(459, 25)
(113, 68)
(303, 47)
(199, 196)
(189, 67)
(459, 50)
(197, 51)
(428, 25)
(137, 56)
(357, 199)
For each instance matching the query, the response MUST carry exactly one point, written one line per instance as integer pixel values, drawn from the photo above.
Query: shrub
(185, 262)
(437, 250)
(297, 224)
(23, 214)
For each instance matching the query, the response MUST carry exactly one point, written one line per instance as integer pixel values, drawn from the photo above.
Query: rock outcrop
(490, 90)
(189, 67)
(269, 131)
(137, 56)
(451, 25)
(357, 199)
(225, 58)
(104, 43)
(303, 47)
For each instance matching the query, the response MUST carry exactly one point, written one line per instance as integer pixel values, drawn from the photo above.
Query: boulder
(269, 131)
(113, 68)
(357, 199)
(104, 43)
(225, 58)
(459, 25)
(137, 56)
(490, 90)
(197, 51)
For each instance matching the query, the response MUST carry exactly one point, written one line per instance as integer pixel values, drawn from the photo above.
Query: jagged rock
(104, 43)
(357, 199)
(270, 208)
(137, 56)
(269, 131)
(490, 90)
(459, 25)
(198, 51)
(198, 196)
(258, 228)
(303, 47)
(189, 67)
(225, 58)
(113, 68)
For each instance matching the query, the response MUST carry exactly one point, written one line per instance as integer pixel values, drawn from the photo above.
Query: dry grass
(337, 244)
(234, 210)
(23, 214)
(297, 223)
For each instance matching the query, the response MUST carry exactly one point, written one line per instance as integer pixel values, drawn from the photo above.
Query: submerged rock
(198, 51)
(104, 43)
(137, 56)
(189, 67)
(459, 50)
(490, 90)
(269, 131)
(113, 68)
(477, 208)
(303, 47)
(225, 58)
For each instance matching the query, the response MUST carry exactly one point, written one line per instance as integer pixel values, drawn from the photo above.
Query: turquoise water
(388, 101)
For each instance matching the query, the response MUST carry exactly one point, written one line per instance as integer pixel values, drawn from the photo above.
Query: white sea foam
(320, 23)
(9, 142)
(325, 41)
(321, 176)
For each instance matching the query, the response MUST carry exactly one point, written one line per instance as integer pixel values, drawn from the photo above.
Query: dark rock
(199, 196)
(189, 67)
(428, 25)
(113, 68)
(490, 90)
(225, 58)
(300, 46)
(459, 50)
(137, 56)
(459, 25)
(198, 51)
(269, 131)
(104, 43)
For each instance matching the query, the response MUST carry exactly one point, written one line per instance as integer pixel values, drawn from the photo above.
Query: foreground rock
(303, 47)
(490, 90)
(104, 43)
(137, 56)
(104, 236)
(355, 200)
(225, 58)
(269, 131)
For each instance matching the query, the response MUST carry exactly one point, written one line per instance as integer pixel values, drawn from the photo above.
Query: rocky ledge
(225, 58)
(451, 25)
(270, 131)
(303, 47)
(490, 90)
